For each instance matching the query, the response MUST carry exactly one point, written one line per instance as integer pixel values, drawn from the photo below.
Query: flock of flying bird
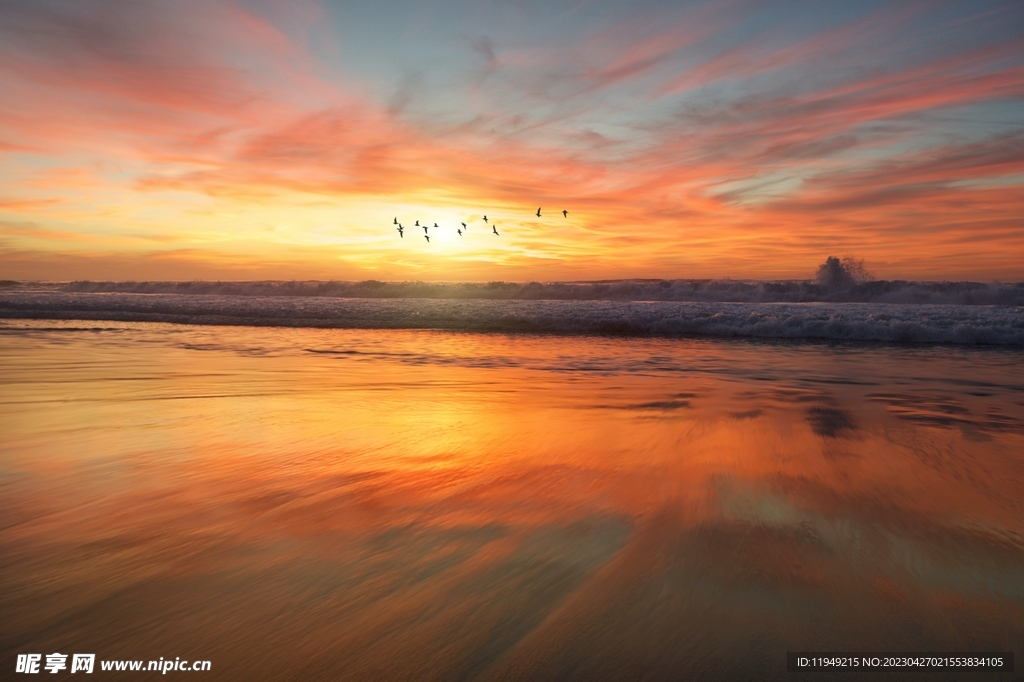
(426, 234)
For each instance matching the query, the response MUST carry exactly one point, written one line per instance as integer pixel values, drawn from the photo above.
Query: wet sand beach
(317, 504)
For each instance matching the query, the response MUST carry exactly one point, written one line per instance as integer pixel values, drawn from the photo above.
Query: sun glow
(232, 141)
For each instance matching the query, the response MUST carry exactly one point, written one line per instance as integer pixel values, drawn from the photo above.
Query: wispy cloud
(770, 145)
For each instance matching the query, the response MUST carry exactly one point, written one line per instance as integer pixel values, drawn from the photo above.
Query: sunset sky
(261, 140)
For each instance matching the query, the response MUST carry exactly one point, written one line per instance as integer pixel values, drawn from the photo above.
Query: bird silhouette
(538, 211)
(435, 224)
(401, 232)
(464, 226)
(427, 238)
(485, 219)
(417, 223)
(424, 229)
(460, 232)
(565, 214)
(495, 228)
(396, 220)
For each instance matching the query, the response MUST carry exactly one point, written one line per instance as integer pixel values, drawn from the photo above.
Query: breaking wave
(614, 308)
(830, 288)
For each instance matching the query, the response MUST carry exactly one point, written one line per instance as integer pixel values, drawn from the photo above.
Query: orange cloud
(214, 126)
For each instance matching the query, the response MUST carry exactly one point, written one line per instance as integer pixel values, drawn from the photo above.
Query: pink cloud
(221, 100)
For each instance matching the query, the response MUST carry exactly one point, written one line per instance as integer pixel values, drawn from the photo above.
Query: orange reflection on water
(414, 505)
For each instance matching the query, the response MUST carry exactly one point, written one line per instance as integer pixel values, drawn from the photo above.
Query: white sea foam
(294, 304)
(836, 290)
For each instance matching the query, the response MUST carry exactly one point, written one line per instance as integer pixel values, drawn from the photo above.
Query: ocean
(511, 482)
(904, 312)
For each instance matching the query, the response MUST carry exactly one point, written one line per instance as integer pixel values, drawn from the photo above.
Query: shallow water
(385, 504)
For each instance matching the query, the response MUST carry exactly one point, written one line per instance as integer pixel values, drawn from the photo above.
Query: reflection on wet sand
(317, 504)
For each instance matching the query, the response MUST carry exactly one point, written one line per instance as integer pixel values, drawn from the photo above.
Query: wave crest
(834, 285)
(925, 323)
